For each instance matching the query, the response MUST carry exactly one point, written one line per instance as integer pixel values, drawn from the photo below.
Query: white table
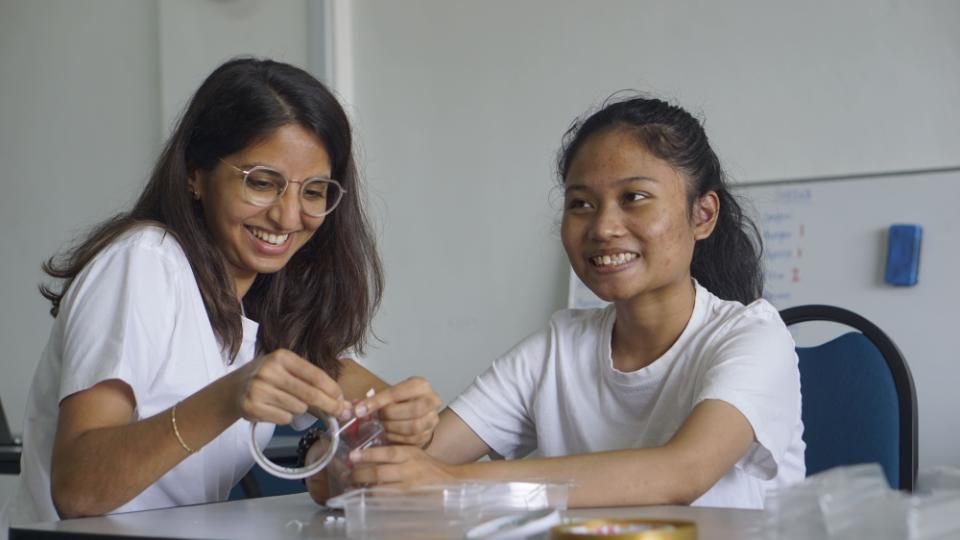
(297, 516)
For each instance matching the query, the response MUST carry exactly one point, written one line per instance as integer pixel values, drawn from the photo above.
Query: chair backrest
(859, 401)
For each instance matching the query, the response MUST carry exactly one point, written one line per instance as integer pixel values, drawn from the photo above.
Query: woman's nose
(285, 212)
(607, 224)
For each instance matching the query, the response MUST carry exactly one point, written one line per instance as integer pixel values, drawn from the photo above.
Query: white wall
(195, 37)
(461, 106)
(79, 117)
(88, 92)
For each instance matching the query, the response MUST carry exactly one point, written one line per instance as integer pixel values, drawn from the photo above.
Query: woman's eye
(578, 204)
(261, 184)
(315, 191)
(634, 196)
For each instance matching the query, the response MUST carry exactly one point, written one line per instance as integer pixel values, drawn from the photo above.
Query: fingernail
(345, 413)
(355, 456)
(361, 410)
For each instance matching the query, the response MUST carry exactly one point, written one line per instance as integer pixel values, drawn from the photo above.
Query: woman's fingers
(419, 440)
(419, 407)
(411, 427)
(285, 381)
(384, 454)
(311, 375)
(379, 474)
(263, 400)
(412, 389)
(380, 464)
(265, 412)
(408, 411)
(399, 465)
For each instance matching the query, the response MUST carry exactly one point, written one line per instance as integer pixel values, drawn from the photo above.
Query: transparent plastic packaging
(360, 435)
(938, 479)
(443, 511)
(855, 502)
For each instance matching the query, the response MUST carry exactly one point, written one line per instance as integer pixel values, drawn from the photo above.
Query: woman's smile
(613, 262)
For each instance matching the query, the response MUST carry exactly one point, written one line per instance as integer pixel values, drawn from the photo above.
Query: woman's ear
(195, 184)
(706, 210)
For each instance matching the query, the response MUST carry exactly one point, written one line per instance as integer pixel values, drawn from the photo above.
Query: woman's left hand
(408, 411)
(402, 466)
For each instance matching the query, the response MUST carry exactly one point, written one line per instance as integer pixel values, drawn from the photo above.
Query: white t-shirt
(135, 314)
(557, 392)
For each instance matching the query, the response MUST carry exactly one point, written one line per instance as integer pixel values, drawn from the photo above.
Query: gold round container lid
(625, 529)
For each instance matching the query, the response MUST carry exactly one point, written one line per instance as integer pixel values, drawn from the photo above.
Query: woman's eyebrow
(251, 164)
(627, 180)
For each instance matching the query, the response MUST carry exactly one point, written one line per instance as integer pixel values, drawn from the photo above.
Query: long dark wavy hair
(728, 262)
(321, 303)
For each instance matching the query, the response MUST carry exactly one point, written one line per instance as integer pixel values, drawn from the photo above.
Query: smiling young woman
(236, 289)
(685, 390)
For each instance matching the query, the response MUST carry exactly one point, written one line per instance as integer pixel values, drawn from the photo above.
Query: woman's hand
(281, 385)
(408, 411)
(401, 466)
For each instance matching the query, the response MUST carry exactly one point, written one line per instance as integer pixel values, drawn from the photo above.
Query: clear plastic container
(357, 436)
(443, 511)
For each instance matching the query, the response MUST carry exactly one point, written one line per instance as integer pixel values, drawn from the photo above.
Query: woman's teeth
(270, 238)
(613, 260)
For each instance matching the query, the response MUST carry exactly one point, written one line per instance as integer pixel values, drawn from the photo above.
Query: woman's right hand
(280, 385)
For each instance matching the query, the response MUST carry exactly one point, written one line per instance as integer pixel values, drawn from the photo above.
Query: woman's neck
(647, 326)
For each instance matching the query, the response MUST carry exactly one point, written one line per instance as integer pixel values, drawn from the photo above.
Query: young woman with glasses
(685, 390)
(237, 287)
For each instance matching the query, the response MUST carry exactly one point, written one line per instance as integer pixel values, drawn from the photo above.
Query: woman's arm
(711, 440)
(102, 458)
(454, 441)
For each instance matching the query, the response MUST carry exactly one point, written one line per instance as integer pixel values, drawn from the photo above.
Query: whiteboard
(825, 243)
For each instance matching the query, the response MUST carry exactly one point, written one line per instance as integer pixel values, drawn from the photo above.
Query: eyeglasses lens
(262, 187)
(318, 197)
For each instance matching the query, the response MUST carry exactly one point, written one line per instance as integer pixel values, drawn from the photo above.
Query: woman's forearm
(711, 441)
(100, 469)
(630, 477)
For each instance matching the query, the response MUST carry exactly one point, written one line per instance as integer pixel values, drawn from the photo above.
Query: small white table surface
(297, 516)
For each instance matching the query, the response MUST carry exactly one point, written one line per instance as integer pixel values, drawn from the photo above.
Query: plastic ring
(297, 473)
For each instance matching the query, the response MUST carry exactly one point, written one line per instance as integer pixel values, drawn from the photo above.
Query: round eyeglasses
(263, 186)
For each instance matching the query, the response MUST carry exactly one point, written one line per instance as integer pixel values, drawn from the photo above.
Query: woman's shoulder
(732, 312)
(579, 329)
(146, 254)
(564, 327)
(733, 332)
(147, 240)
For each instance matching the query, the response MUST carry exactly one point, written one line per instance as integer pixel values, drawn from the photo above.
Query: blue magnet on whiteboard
(903, 255)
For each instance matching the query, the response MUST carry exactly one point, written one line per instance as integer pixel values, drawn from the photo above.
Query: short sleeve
(119, 316)
(754, 368)
(497, 406)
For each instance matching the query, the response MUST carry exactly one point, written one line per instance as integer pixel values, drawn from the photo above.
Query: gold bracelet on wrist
(176, 432)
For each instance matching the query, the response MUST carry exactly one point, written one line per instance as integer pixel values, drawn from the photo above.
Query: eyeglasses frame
(287, 182)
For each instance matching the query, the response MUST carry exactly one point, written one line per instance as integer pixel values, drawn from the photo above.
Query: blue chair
(859, 401)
